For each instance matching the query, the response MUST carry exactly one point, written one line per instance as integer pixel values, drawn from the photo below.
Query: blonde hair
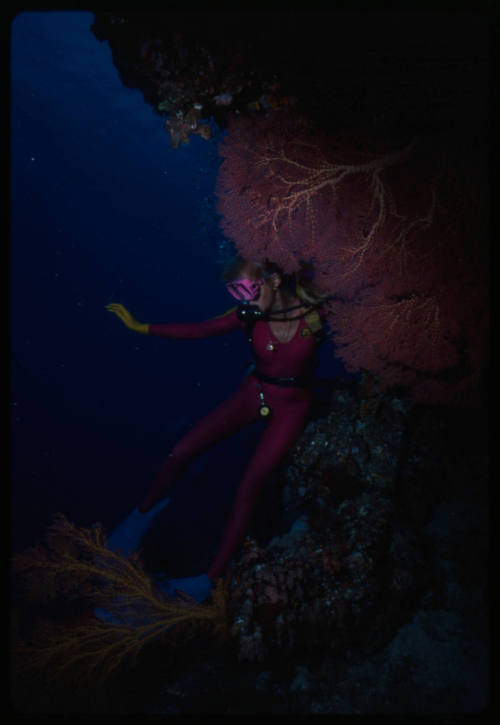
(234, 267)
(305, 288)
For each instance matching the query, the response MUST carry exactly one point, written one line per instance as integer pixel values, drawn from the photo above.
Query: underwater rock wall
(376, 71)
(358, 486)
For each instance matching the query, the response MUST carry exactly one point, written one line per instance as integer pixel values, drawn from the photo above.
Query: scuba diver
(282, 317)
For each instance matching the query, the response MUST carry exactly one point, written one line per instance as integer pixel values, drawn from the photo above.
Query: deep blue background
(102, 209)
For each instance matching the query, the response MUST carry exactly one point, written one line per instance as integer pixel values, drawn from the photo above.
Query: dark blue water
(102, 209)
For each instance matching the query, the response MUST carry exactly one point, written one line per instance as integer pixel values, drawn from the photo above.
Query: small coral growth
(75, 569)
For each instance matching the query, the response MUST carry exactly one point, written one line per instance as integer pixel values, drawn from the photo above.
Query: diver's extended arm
(125, 316)
(197, 330)
(184, 330)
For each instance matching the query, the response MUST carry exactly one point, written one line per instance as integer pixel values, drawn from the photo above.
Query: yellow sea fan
(76, 563)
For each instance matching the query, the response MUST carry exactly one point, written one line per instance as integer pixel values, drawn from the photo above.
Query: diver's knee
(178, 456)
(173, 460)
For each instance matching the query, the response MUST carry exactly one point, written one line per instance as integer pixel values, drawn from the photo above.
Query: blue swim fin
(129, 533)
(196, 587)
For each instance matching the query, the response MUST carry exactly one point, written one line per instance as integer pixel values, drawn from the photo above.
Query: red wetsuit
(289, 405)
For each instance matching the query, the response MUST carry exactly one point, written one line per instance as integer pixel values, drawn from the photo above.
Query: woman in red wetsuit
(282, 319)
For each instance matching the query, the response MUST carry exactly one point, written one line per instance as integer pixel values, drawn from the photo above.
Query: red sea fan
(286, 193)
(394, 232)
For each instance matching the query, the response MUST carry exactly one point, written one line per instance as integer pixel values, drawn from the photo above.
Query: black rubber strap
(297, 382)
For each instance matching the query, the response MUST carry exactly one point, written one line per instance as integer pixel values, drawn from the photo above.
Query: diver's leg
(278, 438)
(231, 415)
(234, 413)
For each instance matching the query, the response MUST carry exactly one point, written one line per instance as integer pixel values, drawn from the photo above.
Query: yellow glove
(125, 316)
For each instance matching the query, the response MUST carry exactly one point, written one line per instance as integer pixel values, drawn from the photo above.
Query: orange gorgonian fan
(74, 564)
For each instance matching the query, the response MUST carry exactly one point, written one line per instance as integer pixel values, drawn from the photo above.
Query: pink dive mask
(245, 289)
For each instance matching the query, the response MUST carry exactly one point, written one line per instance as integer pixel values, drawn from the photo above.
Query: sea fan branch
(77, 563)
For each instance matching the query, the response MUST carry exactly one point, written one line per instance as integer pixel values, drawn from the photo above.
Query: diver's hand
(125, 316)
